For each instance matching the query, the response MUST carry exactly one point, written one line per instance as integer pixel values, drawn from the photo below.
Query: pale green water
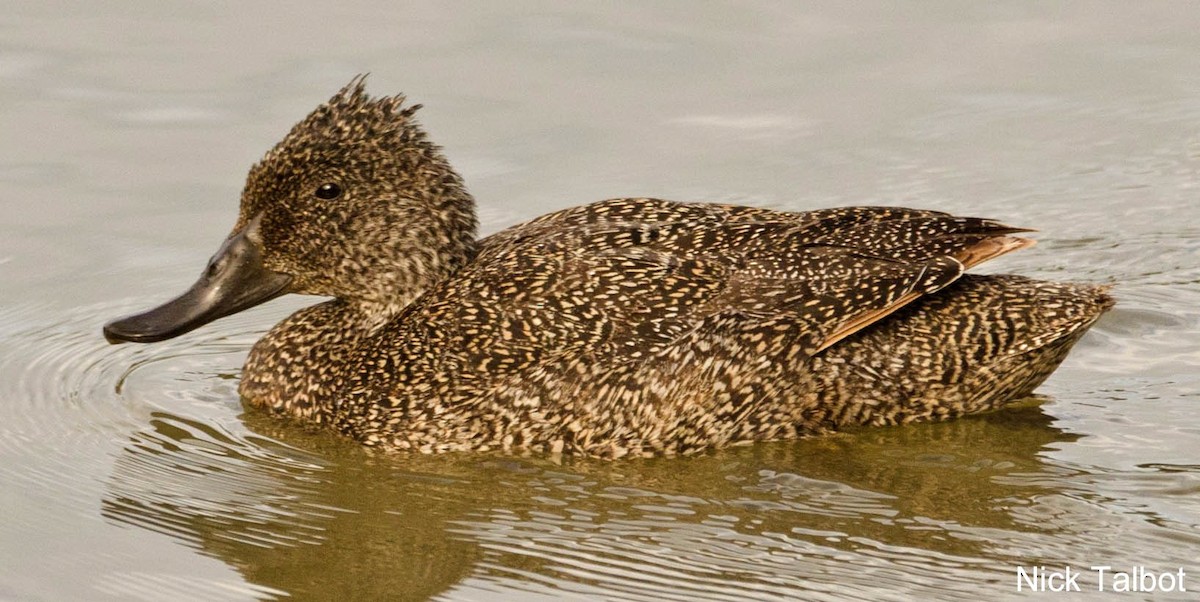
(134, 473)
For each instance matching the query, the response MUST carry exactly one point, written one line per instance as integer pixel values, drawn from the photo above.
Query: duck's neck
(422, 249)
(301, 366)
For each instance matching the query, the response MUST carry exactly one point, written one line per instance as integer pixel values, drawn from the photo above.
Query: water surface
(134, 472)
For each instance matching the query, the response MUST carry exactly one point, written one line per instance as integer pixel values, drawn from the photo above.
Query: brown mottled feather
(628, 326)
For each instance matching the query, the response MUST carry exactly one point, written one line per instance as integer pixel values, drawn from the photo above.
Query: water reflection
(291, 520)
(317, 517)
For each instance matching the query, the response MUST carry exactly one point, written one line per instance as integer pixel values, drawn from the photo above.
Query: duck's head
(354, 203)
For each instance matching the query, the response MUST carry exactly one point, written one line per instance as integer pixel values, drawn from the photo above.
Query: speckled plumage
(628, 326)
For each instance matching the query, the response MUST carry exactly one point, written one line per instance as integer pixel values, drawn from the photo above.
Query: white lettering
(1100, 570)
(1071, 585)
(1050, 582)
(1032, 582)
(1141, 573)
(1120, 581)
(1039, 579)
(1162, 582)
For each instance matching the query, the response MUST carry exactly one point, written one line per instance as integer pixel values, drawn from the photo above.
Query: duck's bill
(235, 279)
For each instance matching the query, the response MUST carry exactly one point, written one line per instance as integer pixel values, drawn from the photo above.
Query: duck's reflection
(333, 521)
(321, 524)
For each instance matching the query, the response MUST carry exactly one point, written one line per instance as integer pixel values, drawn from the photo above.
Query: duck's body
(639, 325)
(625, 326)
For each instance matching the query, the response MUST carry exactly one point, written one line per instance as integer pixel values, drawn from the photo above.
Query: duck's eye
(329, 191)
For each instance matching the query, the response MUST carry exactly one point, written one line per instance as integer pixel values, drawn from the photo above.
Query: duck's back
(641, 325)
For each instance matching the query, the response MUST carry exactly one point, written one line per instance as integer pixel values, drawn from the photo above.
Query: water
(133, 472)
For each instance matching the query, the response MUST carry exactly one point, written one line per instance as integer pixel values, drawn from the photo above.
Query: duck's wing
(632, 279)
(838, 274)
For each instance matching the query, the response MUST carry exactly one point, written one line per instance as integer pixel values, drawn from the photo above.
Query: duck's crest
(351, 115)
(345, 130)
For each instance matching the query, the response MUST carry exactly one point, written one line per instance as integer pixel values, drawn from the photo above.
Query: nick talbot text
(1100, 578)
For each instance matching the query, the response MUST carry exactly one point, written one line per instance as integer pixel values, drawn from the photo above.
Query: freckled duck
(628, 326)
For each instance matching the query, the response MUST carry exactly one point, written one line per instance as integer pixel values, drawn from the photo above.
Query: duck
(624, 327)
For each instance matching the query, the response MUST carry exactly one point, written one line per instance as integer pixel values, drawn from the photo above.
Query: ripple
(182, 476)
(57, 400)
(63, 363)
(636, 552)
(656, 558)
(74, 403)
(152, 587)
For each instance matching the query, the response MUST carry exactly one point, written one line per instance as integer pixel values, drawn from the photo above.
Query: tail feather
(978, 344)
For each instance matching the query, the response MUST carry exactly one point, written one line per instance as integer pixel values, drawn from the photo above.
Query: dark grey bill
(235, 279)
